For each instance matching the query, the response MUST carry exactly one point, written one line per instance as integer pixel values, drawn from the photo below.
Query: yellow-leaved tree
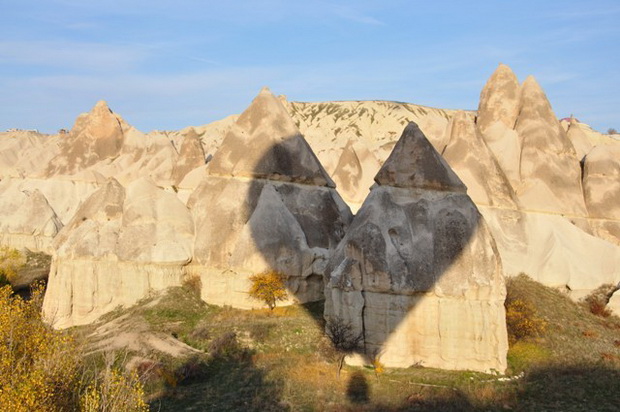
(268, 287)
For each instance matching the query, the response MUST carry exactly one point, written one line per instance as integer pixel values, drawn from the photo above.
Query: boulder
(418, 274)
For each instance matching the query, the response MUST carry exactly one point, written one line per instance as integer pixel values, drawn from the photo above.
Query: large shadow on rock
(415, 273)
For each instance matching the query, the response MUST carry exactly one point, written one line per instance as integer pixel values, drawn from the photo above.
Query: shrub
(344, 340)
(38, 365)
(193, 284)
(42, 369)
(597, 301)
(114, 391)
(521, 318)
(268, 287)
(11, 260)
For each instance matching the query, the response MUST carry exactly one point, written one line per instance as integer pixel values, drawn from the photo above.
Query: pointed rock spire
(96, 135)
(499, 99)
(474, 162)
(265, 143)
(191, 156)
(414, 163)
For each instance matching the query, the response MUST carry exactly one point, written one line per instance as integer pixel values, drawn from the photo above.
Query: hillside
(258, 360)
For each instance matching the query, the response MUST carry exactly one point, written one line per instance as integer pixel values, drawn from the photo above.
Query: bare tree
(344, 340)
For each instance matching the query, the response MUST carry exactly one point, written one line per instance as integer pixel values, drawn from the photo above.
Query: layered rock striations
(120, 245)
(417, 273)
(265, 203)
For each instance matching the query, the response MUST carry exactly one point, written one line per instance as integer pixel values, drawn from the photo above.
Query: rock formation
(549, 171)
(95, 136)
(120, 244)
(28, 219)
(354, 172)
(266, 203)
(417, 273)
(601, 184)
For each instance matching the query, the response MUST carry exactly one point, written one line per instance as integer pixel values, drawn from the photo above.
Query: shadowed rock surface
(265, 203)
(417, 273)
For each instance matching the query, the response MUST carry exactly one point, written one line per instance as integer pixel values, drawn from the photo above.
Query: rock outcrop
(601, 184)
(549, 171)
(417, 273)
(355, 172)
(265, 203)
(28, 219)
(121, 244)
(96, 136)
(468, 154)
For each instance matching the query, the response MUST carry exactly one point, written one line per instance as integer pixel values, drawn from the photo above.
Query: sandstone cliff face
(121, 244)
(329, 126)
(601, 182)
(265, 203)
(472, 160)
(548, 223)
(418, 273)
(518, 162)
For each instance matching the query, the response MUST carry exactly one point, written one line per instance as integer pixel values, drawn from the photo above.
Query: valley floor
(281, 360)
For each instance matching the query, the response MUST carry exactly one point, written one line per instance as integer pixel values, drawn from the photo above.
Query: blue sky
(171, 64)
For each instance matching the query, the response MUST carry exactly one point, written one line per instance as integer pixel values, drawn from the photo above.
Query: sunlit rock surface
(121, 244)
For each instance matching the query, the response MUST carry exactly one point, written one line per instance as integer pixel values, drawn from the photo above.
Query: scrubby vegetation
(522, 320)
(597, 301)
(11, 260)
(283, 360)
(42, 369)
